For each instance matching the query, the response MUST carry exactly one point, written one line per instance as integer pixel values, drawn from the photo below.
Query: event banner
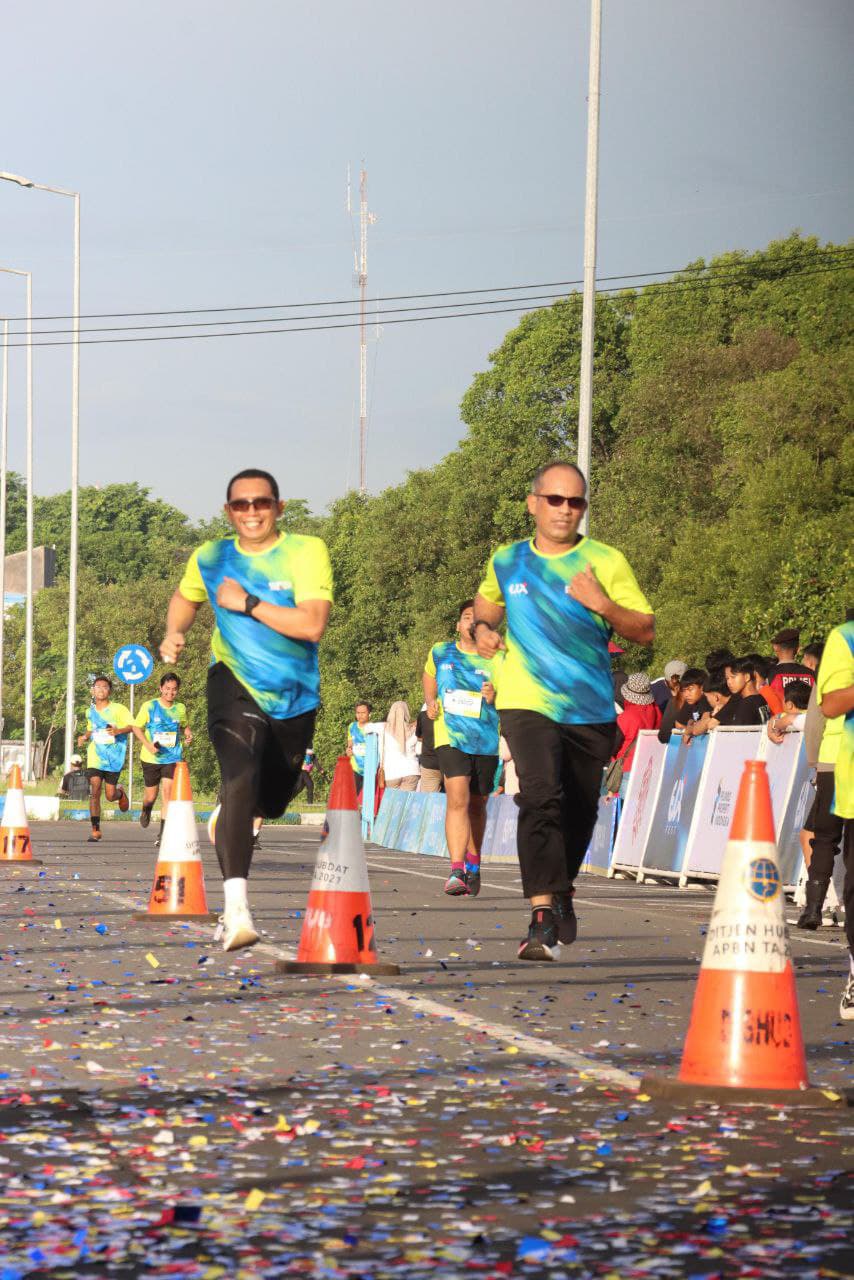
(728, 750)
(794, 816)
(499, 842)
(409, 832)
(598, 856)
(433, 831)
(639, 803)
(680, 781)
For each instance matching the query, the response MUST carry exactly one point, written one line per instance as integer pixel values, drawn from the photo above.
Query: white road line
(586, 1067)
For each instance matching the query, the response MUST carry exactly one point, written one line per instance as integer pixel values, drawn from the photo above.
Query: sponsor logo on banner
(674, 808)
(803, 801)
(643, 796)
(721, 807)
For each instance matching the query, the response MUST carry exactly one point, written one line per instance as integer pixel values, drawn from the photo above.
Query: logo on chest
(517, 589)
(281, 586)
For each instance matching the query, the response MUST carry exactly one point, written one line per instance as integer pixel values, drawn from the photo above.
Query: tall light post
(28, 600)
(75, 461)
(588, 306)
(4, 455)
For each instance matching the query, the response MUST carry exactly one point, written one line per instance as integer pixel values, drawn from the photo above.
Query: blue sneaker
(473, 881)
(456, 884)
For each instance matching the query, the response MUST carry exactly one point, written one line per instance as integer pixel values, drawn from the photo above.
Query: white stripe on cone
(14, 811)
(180, 842)
(340, 862)
(747, 931)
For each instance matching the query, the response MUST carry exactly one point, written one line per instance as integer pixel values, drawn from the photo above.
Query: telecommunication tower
(366, 219)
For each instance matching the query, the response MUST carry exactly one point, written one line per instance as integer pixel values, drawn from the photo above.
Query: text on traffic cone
(338, 930)
(745, 1028)
(15, 843)
(179, 879)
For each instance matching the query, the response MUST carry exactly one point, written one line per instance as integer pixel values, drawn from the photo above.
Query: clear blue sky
(210, 141)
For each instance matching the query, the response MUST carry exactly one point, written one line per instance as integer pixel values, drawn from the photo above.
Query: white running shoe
(236, 928)
(212, 824)
(846, 1003)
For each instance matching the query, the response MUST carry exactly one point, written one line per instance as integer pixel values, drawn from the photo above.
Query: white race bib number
(165, 739)
(462, 702)
(359, 750)
(103, 738)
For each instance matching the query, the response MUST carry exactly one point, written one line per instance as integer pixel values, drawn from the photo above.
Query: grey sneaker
(846, 1003)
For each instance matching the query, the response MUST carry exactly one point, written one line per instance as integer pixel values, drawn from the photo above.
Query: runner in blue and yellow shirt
(164, 719)
(108, 724)
(564, 596)
(459, 689)
(271, 594)
(356, 742)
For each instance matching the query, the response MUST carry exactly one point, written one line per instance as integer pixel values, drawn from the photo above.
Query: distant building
(44, 574)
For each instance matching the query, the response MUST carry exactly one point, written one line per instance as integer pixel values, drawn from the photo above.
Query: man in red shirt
(785, 645)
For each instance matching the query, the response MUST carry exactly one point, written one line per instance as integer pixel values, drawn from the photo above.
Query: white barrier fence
(680, 799)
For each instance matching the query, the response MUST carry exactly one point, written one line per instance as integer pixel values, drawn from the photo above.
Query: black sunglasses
(243, 505)
(557, 500)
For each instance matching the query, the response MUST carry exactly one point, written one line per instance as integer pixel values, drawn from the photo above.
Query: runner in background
(108, 724)
(563, 595)
(459, 689)
(356, 742)
(164, 721)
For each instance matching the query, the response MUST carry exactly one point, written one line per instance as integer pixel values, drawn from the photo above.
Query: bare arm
(304, 621)
(180, 616)
(838, 702)
(487, 619)
(141, 738)
(431, 694)
(631, 624)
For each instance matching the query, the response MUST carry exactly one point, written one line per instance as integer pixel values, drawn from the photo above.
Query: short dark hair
(717, 684)
(718, 659)
(550, 466)
(693, 675)
(106, 680)
(362, 702)
(798, 693)
(761, 666)
(466, 604)
(743, 666)
(814, 650)
(253, 473)
(170, 675)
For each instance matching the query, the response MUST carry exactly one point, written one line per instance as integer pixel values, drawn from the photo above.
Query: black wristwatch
(251, 602)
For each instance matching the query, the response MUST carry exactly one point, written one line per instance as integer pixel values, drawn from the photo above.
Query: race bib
(462, 702)
(359, 750)
(165, 739)
(103, 738)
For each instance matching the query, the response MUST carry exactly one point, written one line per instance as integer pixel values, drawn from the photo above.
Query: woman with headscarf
(398, 756)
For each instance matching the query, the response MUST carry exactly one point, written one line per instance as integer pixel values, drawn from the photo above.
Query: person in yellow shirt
(164, 719)
(108, 724)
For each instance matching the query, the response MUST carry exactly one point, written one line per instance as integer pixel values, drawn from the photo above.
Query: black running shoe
(145, 815)
(567, 920)
(542, 936)
(473, 881)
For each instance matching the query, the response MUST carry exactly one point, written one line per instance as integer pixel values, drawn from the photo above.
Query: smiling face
(557, 525)
(101, 691)
(168, 692)
(464, 625)
(255, 528)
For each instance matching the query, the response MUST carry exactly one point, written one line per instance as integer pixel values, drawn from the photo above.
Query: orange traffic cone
(338, 931)
(15, 844)
(744, 1041)
(178, 892)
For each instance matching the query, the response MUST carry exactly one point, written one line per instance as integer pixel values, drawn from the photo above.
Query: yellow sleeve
(313, 574)
(621, 584)
(430, 665)
(191, 585)
(142, 715)
(495, 669)
(836, 670)
(489, 588)
(121, 716)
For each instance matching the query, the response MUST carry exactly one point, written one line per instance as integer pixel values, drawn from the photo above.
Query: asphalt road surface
(170, 1110)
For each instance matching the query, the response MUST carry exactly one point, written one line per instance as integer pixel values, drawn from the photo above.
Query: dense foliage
(723, 463)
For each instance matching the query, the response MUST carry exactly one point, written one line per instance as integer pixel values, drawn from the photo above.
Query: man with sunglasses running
(271, 595)
(564, 596)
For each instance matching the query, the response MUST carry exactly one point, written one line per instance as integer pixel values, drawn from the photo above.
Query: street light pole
(4, 456)
(71, 667)
(588, 309)
(28, 599)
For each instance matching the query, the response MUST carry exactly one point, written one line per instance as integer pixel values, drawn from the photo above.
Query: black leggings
(260, 761)
(305, 782)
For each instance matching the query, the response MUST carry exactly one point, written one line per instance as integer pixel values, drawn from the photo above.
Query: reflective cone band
(178, 891)
(338, 930)
(15, 844)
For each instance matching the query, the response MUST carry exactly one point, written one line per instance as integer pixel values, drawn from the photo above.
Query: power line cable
(707, 272)
(669, 287)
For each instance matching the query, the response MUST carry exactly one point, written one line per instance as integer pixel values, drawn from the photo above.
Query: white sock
(235, 893)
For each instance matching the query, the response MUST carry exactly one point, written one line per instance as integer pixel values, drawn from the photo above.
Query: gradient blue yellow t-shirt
(162, 725)
(557, 660)
(106, 751)
(466, 720)
(281, 674)
(836, 671)
(356, 742)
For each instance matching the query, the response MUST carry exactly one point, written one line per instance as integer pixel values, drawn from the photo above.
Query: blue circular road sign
(133, 663)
